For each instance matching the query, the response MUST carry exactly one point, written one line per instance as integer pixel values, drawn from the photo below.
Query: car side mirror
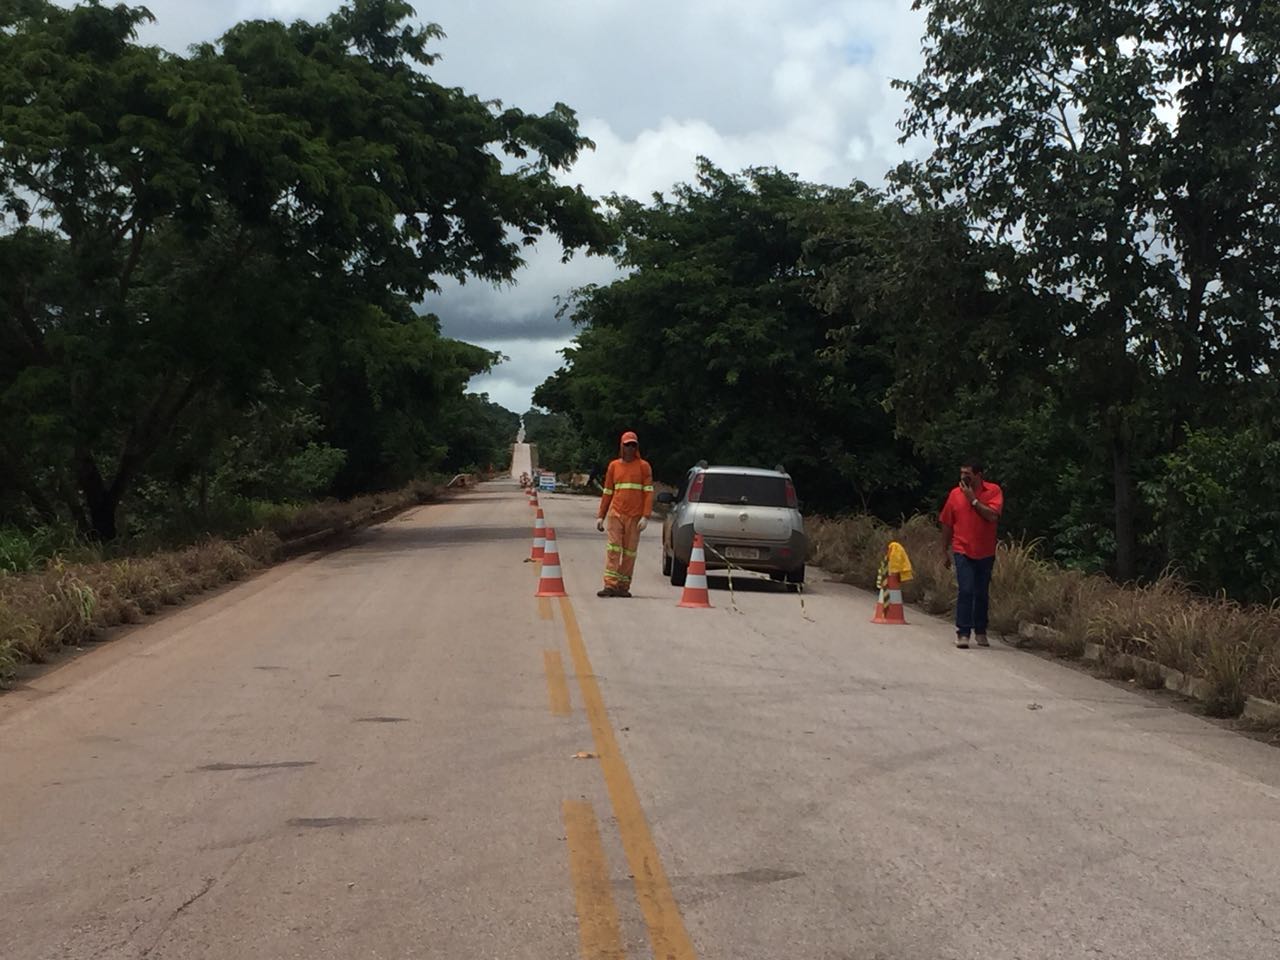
(666, 498)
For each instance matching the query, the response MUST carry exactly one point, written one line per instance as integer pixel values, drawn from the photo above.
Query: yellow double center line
(667, 934)
(599, 932)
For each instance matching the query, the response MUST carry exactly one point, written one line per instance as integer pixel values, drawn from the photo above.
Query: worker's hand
(600, 524)
(946, 560)
(644, 522)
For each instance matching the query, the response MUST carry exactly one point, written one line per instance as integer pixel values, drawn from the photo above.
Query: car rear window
(745, 489)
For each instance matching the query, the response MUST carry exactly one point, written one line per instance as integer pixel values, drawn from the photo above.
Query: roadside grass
(68, 599)
(23, 551)
(1235, 648)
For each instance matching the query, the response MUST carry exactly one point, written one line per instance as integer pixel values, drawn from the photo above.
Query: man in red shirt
(968, 520)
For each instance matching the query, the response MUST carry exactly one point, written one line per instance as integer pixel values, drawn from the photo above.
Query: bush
(18, 551)
(24, 551)
(1217, 505)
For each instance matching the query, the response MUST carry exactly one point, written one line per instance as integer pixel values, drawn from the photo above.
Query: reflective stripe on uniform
(614, 548)
(608, 491)
(626, 552)
(648, 488)
(631, 486)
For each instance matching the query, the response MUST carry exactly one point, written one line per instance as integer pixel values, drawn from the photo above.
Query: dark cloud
(475, 328)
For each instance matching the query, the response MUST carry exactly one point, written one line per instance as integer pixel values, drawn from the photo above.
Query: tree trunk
(102, 514)
(1190, 394)
(1126, 525)
(100, 500)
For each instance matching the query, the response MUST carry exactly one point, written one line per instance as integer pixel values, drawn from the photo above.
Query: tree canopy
(1125, 154)
(717, 345)
(188, 238)
(870, 341)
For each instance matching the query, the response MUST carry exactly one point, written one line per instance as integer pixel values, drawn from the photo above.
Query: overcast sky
(798, 84)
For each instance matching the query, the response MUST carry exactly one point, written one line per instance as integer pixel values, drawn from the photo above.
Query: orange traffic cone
(889, 603)
(551, 582)
(539, 538)
(696, 594)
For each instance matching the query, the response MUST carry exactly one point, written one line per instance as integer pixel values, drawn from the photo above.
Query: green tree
(1218, 503)
(562, 448)
(1126, 152)
(479, 433)
(970, 369)
(390, 390)
(178, 228)
(714, 346)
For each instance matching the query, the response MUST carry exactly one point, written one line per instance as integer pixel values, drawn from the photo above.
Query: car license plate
(742, 553)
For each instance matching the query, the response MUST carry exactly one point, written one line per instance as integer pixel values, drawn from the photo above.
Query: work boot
(962, 641)
(623, 592)
(982, 640)
(607, 592)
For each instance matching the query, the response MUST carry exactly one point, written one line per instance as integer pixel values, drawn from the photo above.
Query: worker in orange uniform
(624, 512)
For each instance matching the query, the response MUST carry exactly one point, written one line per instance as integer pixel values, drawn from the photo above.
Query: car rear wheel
(679, 571)
(796, 576)
(666, 564)
(778, 576)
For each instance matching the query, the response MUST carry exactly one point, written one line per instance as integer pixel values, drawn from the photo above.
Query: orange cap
(630, 437)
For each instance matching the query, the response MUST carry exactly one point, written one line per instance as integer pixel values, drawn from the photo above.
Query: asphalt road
(373, 753)
(521, 459)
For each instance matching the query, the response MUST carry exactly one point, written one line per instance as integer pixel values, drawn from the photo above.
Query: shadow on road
(391, 539)
(746, 584)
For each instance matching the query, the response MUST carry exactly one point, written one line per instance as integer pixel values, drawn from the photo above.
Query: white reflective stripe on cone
(551, 571)
(895, 596)
(696, 581)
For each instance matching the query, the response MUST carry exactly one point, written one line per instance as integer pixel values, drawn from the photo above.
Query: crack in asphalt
(164, 928)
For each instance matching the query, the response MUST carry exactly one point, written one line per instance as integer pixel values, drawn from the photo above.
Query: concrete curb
(1197, 688)
(1039, 632)
(1261, 711)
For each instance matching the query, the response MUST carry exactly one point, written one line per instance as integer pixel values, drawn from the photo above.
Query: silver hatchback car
(749, 519)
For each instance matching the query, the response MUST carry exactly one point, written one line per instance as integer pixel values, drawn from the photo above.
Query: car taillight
(695, 489)
(791, 495)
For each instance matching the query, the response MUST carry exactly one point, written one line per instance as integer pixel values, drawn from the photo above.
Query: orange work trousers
(620, 554)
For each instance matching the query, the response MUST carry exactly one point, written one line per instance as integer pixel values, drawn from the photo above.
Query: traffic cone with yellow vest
(894, 570)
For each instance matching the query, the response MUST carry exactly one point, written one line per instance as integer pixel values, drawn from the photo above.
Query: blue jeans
(973, 579)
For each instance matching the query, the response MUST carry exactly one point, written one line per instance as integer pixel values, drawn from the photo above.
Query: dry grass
(68, 604)
(1235, 648)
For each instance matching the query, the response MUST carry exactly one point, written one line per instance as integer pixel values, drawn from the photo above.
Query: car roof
(743, 471)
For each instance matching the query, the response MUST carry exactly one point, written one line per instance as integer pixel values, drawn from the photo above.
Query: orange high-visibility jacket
(628, 489)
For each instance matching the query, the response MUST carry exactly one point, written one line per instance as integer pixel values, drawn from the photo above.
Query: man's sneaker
(962, 642)
(607, 592)
(983, 641)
